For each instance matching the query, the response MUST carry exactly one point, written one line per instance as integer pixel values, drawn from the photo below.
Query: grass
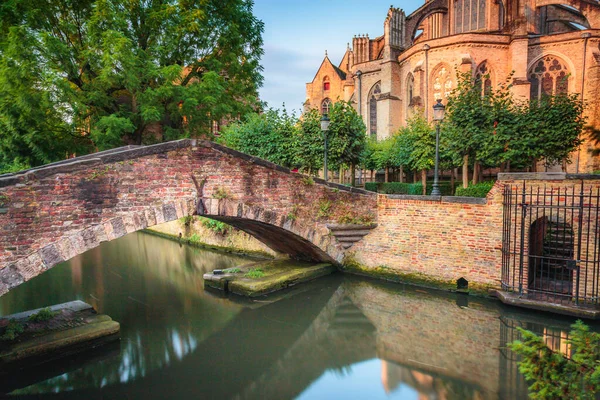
(255, 273)
(45, 314)
(232, 270)
(12, 331)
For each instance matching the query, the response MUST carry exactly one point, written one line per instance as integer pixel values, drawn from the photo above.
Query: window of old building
(325, 106)
(410, 91)
(469, 15)
(373, 109)
(548, 76)
(442, 83)
(483, 78)
(326, 83)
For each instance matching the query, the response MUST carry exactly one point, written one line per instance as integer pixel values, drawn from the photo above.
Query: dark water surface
(337, 338)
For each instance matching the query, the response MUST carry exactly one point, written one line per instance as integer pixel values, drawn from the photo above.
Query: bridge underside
(278, 239)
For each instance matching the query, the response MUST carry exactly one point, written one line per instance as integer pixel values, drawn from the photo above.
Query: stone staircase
(348, 234)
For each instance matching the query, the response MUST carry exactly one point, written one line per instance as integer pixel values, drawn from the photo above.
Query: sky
(297, 33)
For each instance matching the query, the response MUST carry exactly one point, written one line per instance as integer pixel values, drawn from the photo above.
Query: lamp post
(325, 129)
(438, 115)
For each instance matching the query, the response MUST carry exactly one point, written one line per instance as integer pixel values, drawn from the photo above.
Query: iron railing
(550, 243)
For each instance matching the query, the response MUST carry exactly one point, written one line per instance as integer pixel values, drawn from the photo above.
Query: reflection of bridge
(52, 213)
(438, 346)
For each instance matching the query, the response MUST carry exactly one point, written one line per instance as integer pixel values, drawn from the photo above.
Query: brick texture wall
(440, 239)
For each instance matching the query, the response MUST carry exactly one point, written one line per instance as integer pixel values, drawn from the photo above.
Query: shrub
(371, 186)
(217, 227)
(477, 190)
(554, 375)
(255, 273)
(44, 314)
(12, 331)
(324, 209)
(401, 188)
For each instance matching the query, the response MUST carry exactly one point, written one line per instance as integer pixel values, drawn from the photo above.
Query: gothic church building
(550, 46)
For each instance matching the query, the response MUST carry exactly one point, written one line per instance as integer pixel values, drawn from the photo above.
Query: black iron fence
(550, 245)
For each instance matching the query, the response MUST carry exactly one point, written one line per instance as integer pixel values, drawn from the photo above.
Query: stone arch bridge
(52, 213)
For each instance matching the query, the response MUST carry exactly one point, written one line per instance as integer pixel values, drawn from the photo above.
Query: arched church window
(373, 109)
(325, 106)
(442, 83)
(548, 76)
(483, 78)
(326, 83)
(469, 15)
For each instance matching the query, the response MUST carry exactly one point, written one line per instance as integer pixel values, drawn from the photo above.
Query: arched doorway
(551, 255)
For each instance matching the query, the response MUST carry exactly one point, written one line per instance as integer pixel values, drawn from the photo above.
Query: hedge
(407, 188)
(478, 190)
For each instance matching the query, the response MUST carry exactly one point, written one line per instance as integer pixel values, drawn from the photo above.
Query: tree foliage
(86, 74)
(493, 128)
(555, 375)
(299, 142)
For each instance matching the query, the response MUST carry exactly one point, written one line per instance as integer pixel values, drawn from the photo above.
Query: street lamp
(325, 129)
(438, 116)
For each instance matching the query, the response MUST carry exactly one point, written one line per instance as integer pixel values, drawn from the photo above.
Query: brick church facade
(550, 47)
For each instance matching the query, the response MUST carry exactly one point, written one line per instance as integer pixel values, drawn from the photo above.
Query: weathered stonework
(58, 211)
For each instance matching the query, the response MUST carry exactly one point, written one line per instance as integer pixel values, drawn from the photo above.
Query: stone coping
(544, 176)
(439, 199)
(131, 152)
(514, 299)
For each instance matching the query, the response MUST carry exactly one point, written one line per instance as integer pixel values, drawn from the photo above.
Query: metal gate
(550, 243)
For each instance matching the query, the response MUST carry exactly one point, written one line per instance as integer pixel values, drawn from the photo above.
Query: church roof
(340, 73)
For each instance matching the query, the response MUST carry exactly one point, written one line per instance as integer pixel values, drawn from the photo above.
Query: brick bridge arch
(53, 213)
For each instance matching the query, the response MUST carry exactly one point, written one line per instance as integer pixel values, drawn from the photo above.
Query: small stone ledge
(90, 160)
(532, 176)
(586, 177)
(413, 197)
(514, 299)
(72, 160)
(146, 151)
(464, 200)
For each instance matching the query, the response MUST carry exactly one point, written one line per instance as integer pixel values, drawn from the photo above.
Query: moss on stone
(382, 272)
(201, 245)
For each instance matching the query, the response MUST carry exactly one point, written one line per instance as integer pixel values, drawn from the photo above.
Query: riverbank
(213, 235)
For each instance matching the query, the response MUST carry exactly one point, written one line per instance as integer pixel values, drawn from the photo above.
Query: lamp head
(438, 111)
(324, 123)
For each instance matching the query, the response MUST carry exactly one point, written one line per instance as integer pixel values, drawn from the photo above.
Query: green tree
(109, 72)
(309, 143)
(347, 136)
(271, 135)
(554, 375)
(416, 146)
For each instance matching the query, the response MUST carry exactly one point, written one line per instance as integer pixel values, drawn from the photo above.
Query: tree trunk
(387, 174)
(452, 182)
(352, 174)
(465, 171)
(372, 175)
(341, 175)
(476, 168)
(424, 181)
(401, 174)
(415, 177)
(507, 169)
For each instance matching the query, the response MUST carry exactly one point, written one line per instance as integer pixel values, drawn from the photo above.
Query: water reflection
(341, 337)
(153, 287)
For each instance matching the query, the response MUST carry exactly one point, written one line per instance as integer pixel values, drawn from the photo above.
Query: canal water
(337, 338)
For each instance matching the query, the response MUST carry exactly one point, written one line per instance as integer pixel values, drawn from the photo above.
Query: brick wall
(445, 239)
